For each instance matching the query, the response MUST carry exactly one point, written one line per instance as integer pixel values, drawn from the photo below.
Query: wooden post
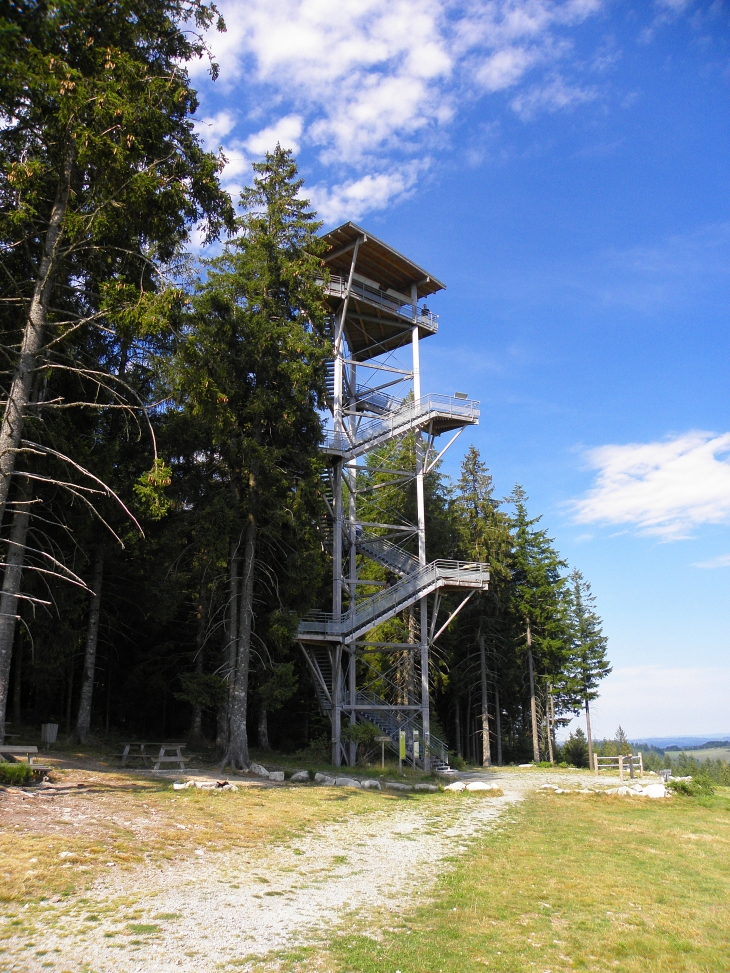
(641, 764)
(631, 766)
(621, 766)
(595, 763)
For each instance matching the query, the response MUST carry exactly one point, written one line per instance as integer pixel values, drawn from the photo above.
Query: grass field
(715, 753)
(568, 883)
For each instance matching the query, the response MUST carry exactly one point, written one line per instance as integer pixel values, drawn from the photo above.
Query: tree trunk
(196, 723)
(70, 691)
(467, 730)
(588, 735)
(486, 748)
(11, 589)
(533, 704)
(264, 729)
(237, 751)
(11, 429)
(229, 647)
(17, 685)
(498, 714)
(548, 722)
(83, 721)
(457, 727)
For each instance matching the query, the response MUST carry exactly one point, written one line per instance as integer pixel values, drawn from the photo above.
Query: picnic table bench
(11, 755)
(144, 751)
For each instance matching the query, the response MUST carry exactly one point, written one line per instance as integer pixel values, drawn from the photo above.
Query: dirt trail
(203, 915)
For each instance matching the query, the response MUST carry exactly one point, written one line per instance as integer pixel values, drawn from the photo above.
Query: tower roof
(377, 261)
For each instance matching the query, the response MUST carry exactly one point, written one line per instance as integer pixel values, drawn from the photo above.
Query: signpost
(382, 741)
(415, 748)
(401, 749)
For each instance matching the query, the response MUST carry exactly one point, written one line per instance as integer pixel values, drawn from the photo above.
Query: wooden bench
(11, 755)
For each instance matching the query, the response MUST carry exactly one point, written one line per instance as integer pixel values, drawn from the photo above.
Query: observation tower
(378, 320)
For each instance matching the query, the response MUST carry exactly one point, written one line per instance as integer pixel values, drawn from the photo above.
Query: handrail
(404, 592)
(337, 287)
(387, 553)
(407, 415)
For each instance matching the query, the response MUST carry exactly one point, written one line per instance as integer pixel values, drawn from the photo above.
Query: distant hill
(686, 742)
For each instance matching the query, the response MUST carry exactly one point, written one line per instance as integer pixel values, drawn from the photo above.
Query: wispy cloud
(666, 488)
(721, 561)
(370, 86)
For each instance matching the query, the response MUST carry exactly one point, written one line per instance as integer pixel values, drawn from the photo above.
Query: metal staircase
(377, 298)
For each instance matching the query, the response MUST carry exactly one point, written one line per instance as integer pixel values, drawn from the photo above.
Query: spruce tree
(588, 661)
(251, 369)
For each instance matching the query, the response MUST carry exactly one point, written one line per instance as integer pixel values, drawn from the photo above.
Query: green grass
(715, 753)
(15, 774)
(568, 883)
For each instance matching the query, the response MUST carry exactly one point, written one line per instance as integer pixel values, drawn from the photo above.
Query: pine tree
(251, 369)
(588, 661)
(537, 588)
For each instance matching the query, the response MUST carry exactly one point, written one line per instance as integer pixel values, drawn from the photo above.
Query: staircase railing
(391, 722)
(385, 603)
(387, 554)
(409, 414)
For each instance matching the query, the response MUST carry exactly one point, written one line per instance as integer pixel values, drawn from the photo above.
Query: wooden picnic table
(143, 750)
(11, 754)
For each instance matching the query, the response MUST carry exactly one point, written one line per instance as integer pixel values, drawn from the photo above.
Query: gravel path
(225, 907)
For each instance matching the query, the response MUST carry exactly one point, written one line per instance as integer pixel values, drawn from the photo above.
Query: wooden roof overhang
(379, 311)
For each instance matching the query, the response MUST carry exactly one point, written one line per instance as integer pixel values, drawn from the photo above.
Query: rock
(228, 786)
(347, 782)
(276, 775)
(526, 765)
(323, 779)
(623, 791)
(300, 777)
(181, 785)
(549, 787)
(370, 785)
(655, 790)
(480, 785)
(258, 770)
(428, 788)
(457, 786)
(394, 785)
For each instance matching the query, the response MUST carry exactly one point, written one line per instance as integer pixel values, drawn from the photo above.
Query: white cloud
(350, 200)
(215, 128)
(286, 131)
(664, 488)
(653, 701)
(370, 84)
(721, 561)
(553, 95)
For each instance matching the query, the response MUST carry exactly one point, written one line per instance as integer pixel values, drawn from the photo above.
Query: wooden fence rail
(631, 761)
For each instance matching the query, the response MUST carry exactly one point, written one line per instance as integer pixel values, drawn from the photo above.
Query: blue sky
(563, 167)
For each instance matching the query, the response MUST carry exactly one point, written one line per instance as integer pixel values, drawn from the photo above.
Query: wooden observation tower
(379, 317)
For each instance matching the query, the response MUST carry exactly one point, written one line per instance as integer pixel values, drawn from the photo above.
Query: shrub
(16, 774)
(696, 787)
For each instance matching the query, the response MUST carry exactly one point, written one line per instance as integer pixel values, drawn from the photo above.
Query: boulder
(181, 785)
(323, 779)
(655, 790)
(347, 782)
(457, 786)
(370, 785)
(300, 777)
(394, 785)
(258, 770)
(428, 788)
(276, 775)
(480, 785)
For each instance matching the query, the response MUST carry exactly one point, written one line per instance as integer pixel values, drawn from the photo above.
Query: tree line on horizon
(160, 472)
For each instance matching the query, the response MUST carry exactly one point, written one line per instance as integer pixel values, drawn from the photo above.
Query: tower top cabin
(386, 294)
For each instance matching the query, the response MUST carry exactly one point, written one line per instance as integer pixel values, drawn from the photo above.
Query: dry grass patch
(55, 845)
